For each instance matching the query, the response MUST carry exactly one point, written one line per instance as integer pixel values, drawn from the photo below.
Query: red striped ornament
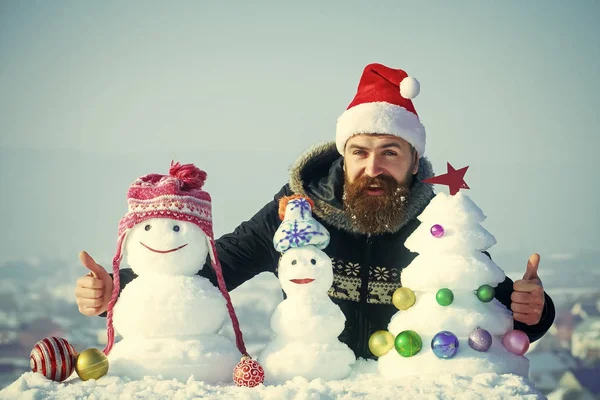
(54, 358)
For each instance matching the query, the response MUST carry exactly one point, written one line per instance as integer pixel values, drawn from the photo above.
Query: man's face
(378, 172)
(376, 155)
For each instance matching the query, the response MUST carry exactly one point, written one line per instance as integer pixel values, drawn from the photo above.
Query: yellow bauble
(403, 298)
(91, 364)
(381, 342)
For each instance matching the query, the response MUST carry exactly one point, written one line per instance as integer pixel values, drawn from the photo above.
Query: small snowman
(307, 323)
(169, 317)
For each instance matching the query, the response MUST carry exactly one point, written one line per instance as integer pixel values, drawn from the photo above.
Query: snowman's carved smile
(302, 281)
(163, 251)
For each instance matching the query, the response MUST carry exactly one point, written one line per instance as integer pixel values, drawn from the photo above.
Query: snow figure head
(165, 246)
(168, 230)
(168, 226)
(304, 269)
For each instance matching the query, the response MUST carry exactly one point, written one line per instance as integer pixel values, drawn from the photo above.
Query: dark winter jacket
(366, 268)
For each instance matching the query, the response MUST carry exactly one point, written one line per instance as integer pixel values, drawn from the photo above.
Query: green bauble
(444, 297)
(485, 293)
(408, 343)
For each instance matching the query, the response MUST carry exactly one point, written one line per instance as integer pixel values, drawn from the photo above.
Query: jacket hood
(318, 174)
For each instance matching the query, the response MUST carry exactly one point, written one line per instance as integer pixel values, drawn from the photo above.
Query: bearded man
(368, 189)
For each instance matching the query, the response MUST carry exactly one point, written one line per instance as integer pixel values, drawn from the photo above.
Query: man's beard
(375, 214)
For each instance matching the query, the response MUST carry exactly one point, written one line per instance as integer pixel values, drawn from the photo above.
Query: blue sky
(94, 94)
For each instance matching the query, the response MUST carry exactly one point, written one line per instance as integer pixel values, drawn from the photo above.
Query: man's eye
(390, 153)
(293, 262)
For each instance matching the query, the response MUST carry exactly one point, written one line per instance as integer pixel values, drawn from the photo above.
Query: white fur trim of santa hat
(380, 118)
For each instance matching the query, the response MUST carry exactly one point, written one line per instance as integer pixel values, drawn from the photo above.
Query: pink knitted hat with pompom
(177, 196)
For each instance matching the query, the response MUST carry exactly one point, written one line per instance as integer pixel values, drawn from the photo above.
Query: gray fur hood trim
(325, 154)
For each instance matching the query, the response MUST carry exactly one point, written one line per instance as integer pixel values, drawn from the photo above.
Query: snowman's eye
(313, 261)
(147, 227)
(176, 228)
(293, 262)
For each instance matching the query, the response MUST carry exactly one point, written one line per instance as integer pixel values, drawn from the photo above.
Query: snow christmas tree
(448, 319)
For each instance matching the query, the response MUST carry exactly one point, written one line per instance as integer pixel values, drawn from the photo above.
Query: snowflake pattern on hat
(299, 228)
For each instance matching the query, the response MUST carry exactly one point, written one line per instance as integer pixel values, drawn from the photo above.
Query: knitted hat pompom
(191, 176)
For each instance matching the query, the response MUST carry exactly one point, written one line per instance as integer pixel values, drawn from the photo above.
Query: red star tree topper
(454, 179)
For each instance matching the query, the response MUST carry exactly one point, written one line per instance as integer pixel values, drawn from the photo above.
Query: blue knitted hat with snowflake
(299, 228)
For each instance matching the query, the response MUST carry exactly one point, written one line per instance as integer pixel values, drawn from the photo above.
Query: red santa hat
(383, 105)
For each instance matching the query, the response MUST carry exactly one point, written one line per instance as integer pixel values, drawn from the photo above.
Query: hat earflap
(110, 330)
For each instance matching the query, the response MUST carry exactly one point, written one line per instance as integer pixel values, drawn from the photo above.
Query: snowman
(169, 317)
(307, 323)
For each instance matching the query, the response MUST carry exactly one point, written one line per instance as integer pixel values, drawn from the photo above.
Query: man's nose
(373, 167)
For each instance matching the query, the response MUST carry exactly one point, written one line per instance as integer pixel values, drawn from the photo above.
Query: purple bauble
(437, 230)
(444, 344)
(480, 340)
(517, 342)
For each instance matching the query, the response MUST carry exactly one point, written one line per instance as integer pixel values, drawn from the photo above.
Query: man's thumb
(97, 270)
(532, 267)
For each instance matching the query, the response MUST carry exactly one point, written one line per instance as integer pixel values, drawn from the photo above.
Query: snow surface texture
(364, 383)
(307, 323)
(169, 317)
(453, 261)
